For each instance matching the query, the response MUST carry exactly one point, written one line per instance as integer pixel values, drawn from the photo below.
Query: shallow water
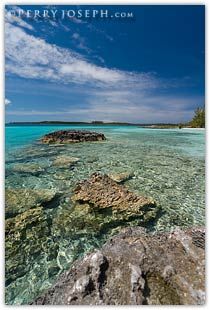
(168, 166)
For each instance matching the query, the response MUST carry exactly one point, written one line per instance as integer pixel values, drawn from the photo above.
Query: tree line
(198, 119)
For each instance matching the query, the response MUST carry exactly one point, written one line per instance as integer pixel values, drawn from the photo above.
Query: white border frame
(2, 118)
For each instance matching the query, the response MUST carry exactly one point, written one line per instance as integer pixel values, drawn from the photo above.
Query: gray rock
(135, 268)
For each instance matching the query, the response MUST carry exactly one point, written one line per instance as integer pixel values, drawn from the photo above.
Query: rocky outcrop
(135, 268)
(101, 206)
(105, 195)
(72, 136)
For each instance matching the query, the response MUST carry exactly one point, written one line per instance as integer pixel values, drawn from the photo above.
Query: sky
(147, 68)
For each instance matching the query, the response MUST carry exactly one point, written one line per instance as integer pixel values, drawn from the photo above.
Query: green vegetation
(198, 120)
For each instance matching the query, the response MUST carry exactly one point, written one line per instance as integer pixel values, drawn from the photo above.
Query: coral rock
(121, 177)
(101, 193)
(20, 200)
(64, 161)
(72, 136)
(135, 268)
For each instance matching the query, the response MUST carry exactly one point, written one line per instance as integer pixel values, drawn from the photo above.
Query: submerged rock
(31, 168)
(20, 200)
(62, 174)
(26, 237)
(30, 153)
(100, 207)
(64, 161)
(104, 195)
(72, 136)
(135, 268)
(82, 224)
(121, 177)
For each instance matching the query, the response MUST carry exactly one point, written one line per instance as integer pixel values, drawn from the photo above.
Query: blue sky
(145, 69)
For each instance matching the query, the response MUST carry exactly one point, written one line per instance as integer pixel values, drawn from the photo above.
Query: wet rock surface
(64, 161)
(101, 193)
(121, 177)
(47, 225)
(27, 229)
(28, 168)
(101, 206)
(135, 268)
(21, 200)
(72, 136)
(25, 239)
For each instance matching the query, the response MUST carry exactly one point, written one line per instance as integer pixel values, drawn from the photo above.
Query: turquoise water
(168, 166)
(20, 136)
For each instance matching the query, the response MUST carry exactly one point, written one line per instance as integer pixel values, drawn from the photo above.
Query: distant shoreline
(92, 123)
(100, 123)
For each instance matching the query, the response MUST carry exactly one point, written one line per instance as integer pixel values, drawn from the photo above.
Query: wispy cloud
(108, 106)
(10, 17)
(101, 32)
(7, 101)
(80, 42)
(31, 57)
(77, 20)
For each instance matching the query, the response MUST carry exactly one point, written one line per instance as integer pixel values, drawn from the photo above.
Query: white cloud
(80, 42)
(75, 35)
(140, 107)
(31, 57)
(122, 107)
(7, 101)
(87, 72)
(77, 20)
(11, 18)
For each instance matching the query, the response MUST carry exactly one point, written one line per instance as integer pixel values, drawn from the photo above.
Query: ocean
(168, 165)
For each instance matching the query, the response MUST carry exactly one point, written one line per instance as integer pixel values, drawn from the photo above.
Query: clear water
(168, 165)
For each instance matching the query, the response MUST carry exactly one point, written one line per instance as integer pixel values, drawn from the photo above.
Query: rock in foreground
(71, 136)
(135, 268)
